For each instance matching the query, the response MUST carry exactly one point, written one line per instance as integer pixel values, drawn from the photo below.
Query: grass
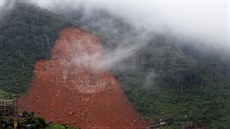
(55, 126)
(6, 95)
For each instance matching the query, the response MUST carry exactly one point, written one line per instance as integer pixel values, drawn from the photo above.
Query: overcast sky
(205, 19)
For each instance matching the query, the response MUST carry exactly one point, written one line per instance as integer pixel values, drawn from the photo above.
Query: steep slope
(67, 89)
(27, 33)
(172, 77)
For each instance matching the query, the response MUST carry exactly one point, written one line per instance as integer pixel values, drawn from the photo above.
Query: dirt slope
(68, 89)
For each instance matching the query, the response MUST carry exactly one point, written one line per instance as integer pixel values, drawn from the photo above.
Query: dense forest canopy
(167, 78)
(27, 33)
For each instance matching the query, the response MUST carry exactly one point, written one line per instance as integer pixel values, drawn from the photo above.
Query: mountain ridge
(167, 79)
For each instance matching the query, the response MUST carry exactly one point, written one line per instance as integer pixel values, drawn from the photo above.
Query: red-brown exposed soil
(68, 90)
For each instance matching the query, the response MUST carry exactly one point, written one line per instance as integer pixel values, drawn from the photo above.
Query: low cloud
(205, 21)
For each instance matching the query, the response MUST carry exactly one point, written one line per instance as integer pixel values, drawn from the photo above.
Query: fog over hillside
(205, 20)
(171, 58)
(191, 22)
(201, 20)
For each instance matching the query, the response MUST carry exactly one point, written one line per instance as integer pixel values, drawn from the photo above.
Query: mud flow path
(67, 89)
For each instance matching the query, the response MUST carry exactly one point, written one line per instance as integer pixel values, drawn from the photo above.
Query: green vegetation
(184, 87)
(28, 121)
(170, 78)
(27, 33)
(6, 95)
(53, 126)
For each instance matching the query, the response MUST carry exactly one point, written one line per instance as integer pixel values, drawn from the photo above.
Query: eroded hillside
(69, 89)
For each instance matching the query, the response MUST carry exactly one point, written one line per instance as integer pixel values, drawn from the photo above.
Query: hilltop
(67, 90)
(167, 78)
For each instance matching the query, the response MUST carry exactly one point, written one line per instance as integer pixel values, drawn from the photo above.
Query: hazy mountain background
(166, 75)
